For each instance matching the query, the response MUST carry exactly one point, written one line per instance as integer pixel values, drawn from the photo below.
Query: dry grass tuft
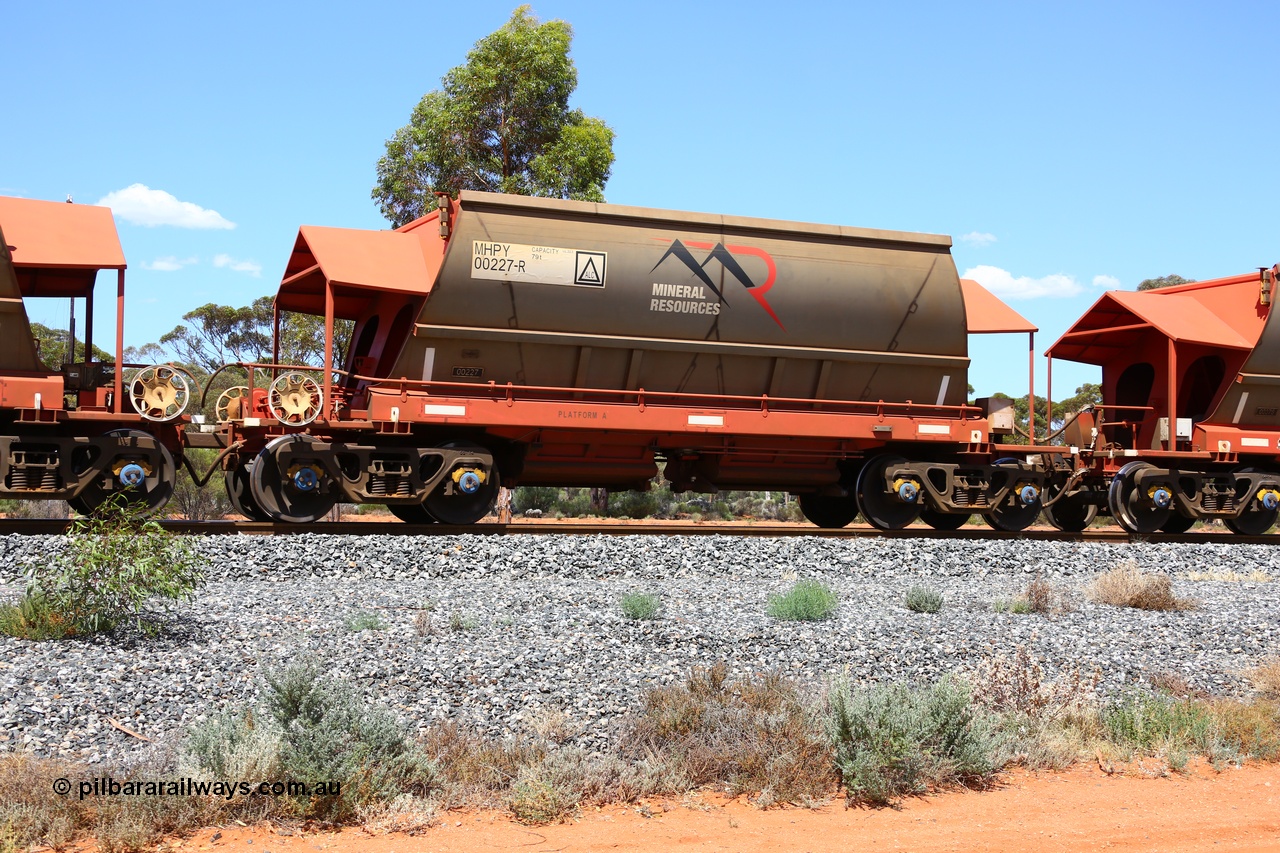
(756, 736)
(1255, 576)
(1127, 586)
(1175, 685)
(1266, 678)
(406, 813)
(33, 815)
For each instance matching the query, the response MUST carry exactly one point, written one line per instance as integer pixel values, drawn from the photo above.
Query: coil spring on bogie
(33, 479)
(389, 478)
(1211, 501)
(968, 497)
(388, 486)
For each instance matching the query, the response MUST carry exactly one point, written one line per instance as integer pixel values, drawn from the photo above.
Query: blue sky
(1068, 148)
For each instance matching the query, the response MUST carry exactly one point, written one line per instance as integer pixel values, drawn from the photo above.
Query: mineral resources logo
(694, 299)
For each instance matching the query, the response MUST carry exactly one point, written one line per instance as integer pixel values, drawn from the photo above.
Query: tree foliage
(51, 346)
(1163, 281)
(215, 335)
(1086, 394)
(500, 123)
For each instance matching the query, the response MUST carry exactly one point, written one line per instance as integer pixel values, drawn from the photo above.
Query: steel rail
(523, 528)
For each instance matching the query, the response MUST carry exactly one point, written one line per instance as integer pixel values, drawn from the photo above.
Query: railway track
(364, 528)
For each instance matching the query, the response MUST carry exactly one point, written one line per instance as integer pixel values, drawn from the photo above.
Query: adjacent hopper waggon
(77, 431)
(1189, 425)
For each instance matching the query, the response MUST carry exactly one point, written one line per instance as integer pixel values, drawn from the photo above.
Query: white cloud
(168, 263)
(225, 261)
(141, 205)
(1106, 282)
(978, 239)
(1003, 283)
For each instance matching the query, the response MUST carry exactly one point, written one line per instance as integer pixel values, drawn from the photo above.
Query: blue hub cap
(132, 475)
(306, 480)
(469, 482)
(1270, 500)
(907, 492)
(1028, 495)
(1162, 498)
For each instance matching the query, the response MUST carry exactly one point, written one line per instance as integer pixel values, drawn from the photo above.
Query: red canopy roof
(986, 314)
(1120, 318)
(58, 248)
(354, 260)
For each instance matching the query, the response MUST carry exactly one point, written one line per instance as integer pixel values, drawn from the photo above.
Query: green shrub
(895, 740)
(807, 601)
(313, 728)
(542, 498)
(923, 600)
(364, 621)
(459, 622)
(633, 504)
(1151, 722)
(32, 618)
(537, 800)
(640, 605)
(115, 563)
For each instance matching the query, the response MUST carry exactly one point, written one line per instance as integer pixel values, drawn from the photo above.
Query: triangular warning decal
(589, 272)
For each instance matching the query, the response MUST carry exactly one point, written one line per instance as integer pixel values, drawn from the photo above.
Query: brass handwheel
(159, 393)
(295, 399)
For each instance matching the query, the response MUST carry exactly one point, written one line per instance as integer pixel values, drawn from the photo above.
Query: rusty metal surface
(17, 346)
(570, 294)
(1254, 398)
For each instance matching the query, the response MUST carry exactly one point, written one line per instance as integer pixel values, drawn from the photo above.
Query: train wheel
(239, 492)
(1177, 523)
(462, 507)
(1012, 514)
(143, 483)
(299, 494)
(881, 507)
(829, 511)
(1252, 523)
(1071, 516)
(411, 513)
(943, 520)
(1127, 506)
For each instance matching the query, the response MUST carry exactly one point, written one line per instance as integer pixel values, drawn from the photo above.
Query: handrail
(645, 396)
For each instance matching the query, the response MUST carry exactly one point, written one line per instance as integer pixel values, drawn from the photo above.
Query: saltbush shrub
(640, 605)
(807, 601)
(895, 740)
(313, 728)
(923, 600)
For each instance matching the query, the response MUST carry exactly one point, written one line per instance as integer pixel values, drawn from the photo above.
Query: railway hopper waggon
(79, 433)
(1189, 427)
(505, 340)
(512, 340)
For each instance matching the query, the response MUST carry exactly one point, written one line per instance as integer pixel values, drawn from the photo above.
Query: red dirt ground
(1081, 809)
